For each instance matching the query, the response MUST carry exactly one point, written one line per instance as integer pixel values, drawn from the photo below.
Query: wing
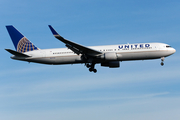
(76, 48)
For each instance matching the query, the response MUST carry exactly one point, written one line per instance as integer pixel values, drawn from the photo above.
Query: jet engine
(111, 56)
(111, 64)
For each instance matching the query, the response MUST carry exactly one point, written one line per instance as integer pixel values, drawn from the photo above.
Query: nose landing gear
(162, 61)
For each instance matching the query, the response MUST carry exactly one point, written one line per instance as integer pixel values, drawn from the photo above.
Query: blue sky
(138, 90)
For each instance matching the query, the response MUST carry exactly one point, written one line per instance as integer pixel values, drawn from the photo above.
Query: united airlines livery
(107, 56)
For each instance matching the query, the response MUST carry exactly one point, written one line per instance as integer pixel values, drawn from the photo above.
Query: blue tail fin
(21, 43)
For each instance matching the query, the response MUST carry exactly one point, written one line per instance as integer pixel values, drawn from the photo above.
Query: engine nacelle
(111, 64)
(111, 56)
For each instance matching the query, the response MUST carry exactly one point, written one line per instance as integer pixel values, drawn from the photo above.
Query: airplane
(108, 55)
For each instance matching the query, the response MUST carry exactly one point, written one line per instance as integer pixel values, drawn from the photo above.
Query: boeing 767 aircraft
(107, 56)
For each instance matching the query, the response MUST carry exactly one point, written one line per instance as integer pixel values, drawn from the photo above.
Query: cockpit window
(168, 46)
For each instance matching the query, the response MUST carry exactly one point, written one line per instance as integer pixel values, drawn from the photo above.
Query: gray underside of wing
(77, 48)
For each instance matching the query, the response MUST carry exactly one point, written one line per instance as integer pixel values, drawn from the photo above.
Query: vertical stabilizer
(21, 43)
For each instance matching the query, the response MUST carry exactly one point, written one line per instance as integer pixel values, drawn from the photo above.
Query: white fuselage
(124, 52)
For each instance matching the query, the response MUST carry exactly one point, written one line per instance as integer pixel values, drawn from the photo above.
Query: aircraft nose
(173, 50)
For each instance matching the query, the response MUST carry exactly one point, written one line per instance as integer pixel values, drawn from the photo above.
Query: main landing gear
(162, 61)
(91, 67)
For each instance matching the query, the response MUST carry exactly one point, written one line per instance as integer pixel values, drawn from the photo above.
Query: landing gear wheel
(88, 66)
(162, 63)
(94, 70)
(91, 69)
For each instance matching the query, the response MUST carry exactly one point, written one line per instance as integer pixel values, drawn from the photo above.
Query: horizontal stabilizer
(17, 53)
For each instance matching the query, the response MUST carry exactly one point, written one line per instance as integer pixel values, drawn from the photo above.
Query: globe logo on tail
(24, 45)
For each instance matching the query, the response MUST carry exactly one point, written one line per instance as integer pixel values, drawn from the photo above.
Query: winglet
(52, 30)
(56, 35)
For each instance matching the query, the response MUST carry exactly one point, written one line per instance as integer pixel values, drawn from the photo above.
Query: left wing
(76, 48)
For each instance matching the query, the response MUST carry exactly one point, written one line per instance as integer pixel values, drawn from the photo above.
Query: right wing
(76, 48)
